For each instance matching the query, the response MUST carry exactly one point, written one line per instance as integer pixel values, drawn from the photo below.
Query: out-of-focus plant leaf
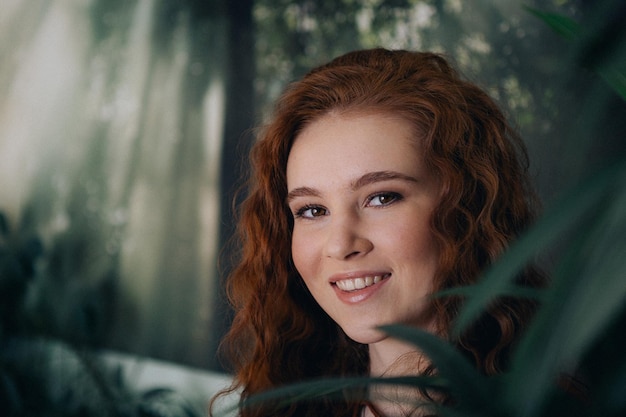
(589, 282)
(455, 375)
(10, 399)
(333, 388)
(163, 402)
(615, 79)
(588, 290)
(579, 202)
(43, 378)
(563, 25)
(467, 387)
(605, 369)
(572, 31)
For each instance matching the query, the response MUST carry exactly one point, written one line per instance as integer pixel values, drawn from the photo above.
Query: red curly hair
(279, 334)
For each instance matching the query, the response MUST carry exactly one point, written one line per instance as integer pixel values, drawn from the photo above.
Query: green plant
(49, 362)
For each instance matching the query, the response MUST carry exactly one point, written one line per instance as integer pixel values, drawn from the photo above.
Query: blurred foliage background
(124, 126)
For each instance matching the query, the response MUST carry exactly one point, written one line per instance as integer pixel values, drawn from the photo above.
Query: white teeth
(358, 283)
(347, 285)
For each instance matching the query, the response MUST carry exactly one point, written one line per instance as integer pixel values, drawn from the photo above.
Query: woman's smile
(358, 283)
(359, 289)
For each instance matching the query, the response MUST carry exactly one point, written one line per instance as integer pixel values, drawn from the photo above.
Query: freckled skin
(380, 225)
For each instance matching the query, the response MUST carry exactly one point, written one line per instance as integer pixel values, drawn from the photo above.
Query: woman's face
(362, 200)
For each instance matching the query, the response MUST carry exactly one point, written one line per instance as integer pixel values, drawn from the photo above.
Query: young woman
(382, 178)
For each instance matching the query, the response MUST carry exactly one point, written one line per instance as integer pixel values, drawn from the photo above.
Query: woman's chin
(365, 336)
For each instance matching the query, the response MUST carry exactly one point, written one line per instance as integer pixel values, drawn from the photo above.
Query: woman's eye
(383, 199)
(310, 212)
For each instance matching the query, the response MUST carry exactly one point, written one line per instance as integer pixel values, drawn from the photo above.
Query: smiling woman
(382, 178)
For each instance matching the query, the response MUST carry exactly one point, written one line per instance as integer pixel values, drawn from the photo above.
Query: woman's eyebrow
(378, 176)
(302, 192)
(366, 179)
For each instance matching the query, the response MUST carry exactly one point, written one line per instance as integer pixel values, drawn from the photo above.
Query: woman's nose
(347, 238)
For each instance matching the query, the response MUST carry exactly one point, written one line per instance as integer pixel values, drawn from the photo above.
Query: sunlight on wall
(39, 114)
(101, 125)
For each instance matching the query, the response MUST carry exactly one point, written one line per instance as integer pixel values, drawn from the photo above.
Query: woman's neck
(392, 358)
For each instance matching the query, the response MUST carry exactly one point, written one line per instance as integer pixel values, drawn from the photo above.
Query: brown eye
(310, 212)
(383, 199)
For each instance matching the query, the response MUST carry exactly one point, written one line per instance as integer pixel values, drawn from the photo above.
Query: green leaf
(567, 212)
(563, 25)
(589, 290)
(615, 78)
(469, 389)
(332, 388)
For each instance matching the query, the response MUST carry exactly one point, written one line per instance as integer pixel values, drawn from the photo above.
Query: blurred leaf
(615, 78)
(163, 402)
(10, 399)
(332, 388)
(589, 289)
(605, 370)
(508, 289)
(579, 202)
(469, 389)
(563, 25)
(572, 31)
